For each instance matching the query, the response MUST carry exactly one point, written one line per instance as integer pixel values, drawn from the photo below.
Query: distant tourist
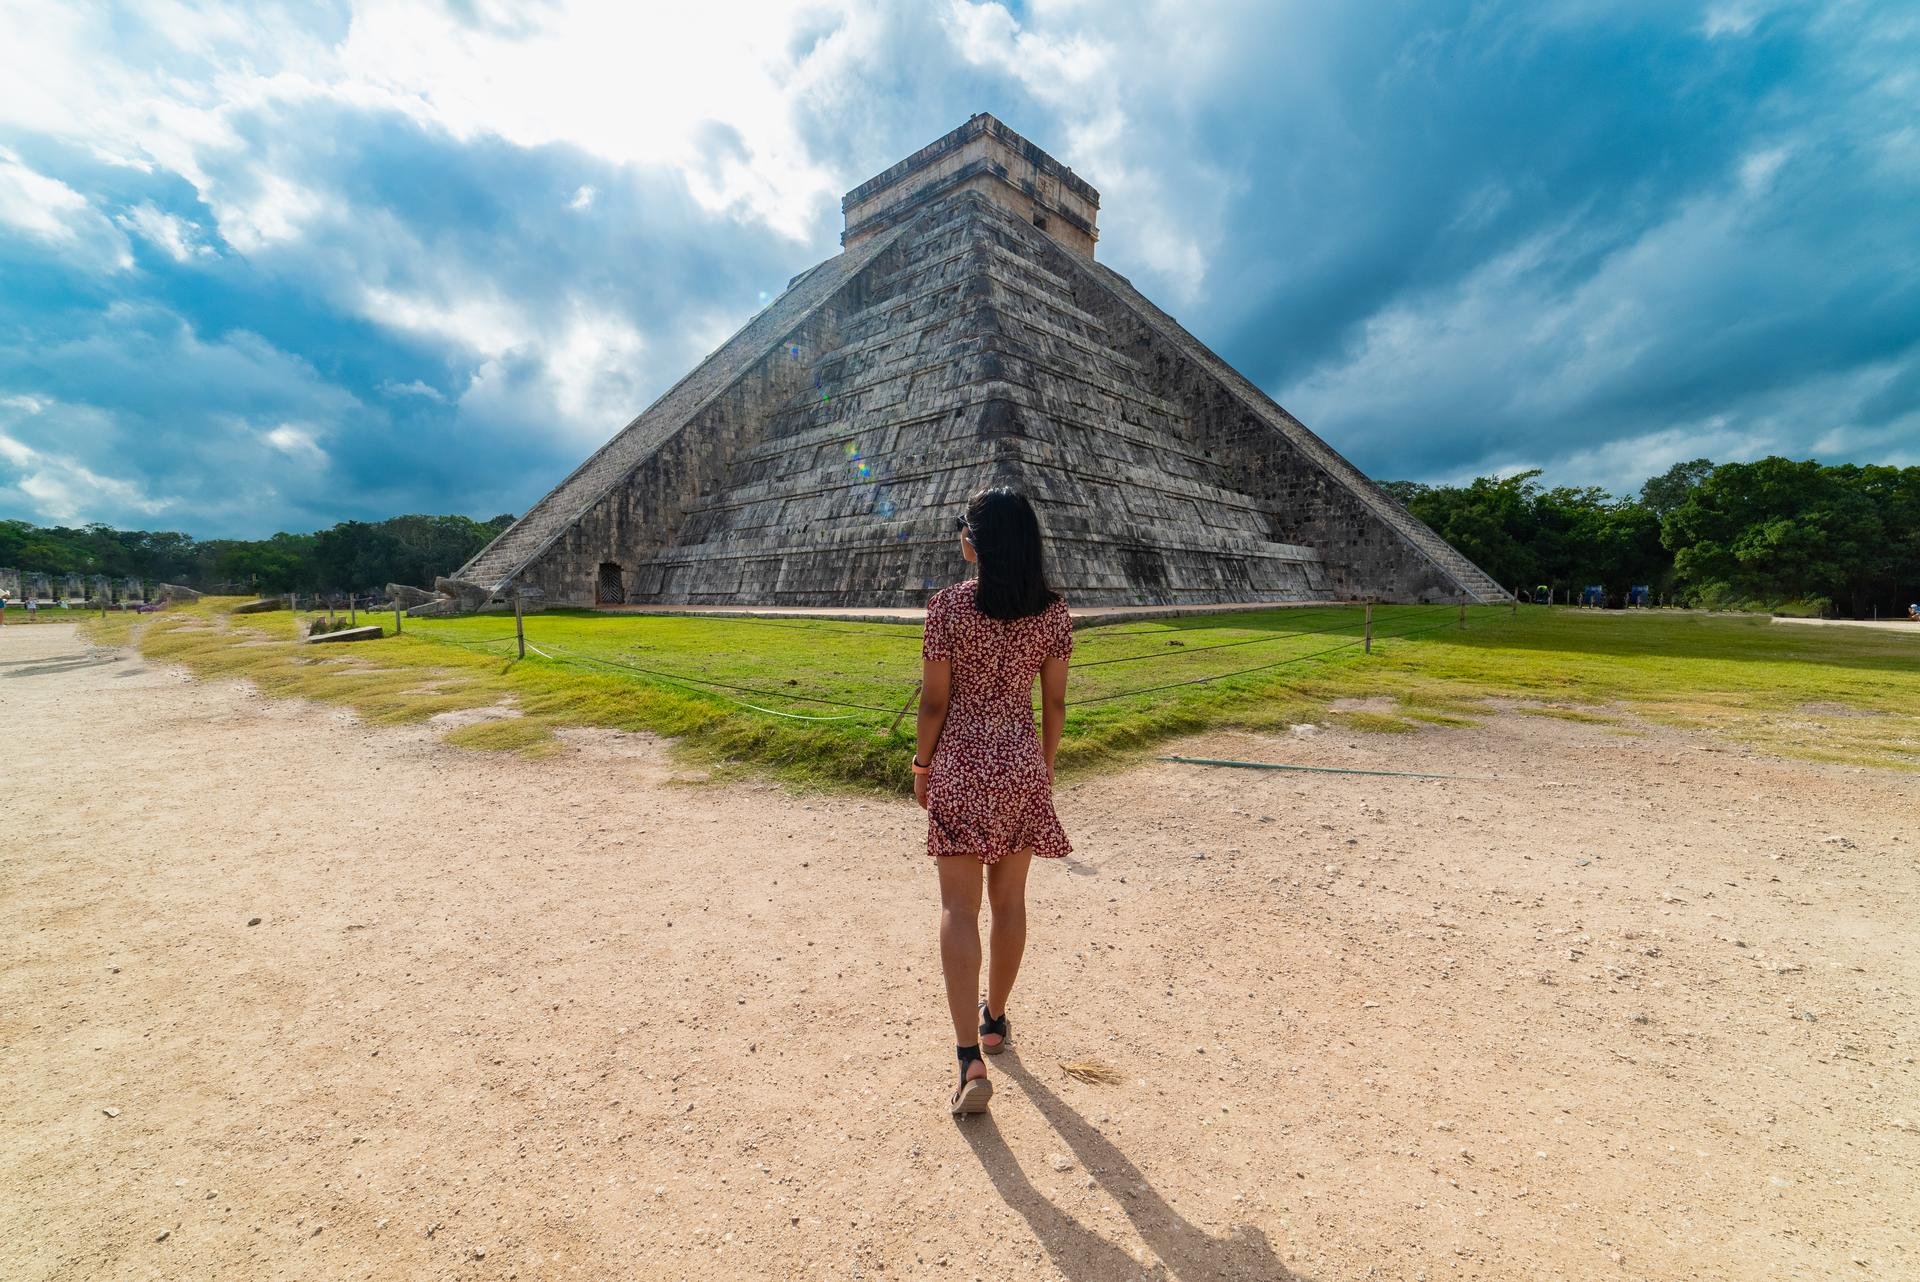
(1913, 611)
(33, 608)
(3, 609)
(982, 774)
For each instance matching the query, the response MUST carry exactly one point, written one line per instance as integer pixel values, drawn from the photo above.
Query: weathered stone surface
(369, 632)
(532, 601)
(169, 592)
(470, 597)
(262, 606)
(407, 597)
(820, 456)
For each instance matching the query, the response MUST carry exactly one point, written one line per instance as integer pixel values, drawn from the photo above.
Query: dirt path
(1614, 1007)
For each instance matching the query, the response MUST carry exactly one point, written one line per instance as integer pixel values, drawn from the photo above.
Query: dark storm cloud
(1453, 238)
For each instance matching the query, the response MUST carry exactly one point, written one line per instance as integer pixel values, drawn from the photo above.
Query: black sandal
(972, 1095)
(991, 1027)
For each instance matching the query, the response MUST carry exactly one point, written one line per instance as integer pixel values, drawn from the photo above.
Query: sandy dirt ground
(1608, 1006)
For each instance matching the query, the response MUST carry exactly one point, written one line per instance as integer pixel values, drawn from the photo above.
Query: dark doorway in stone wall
(612, 587)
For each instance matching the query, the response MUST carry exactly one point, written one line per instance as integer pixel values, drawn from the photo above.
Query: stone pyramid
(966, 336)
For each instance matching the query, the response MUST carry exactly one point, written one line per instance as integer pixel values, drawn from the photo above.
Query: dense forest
(1771, 534)
(351, 556)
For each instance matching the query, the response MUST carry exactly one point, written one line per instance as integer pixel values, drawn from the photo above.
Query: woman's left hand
(920, 789)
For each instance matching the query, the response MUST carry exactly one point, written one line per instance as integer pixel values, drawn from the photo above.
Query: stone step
(528, 536)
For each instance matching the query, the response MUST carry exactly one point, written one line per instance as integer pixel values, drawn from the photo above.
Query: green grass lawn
(811, 700)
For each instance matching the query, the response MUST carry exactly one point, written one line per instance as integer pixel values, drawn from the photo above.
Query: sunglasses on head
(964, 527)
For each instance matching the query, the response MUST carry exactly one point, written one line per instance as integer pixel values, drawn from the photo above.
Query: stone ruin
(453, 597)
(965, 335)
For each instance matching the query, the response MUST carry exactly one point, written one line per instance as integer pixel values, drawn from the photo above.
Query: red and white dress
(988, 794)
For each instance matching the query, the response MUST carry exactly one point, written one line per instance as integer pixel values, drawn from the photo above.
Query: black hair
(1006, 537)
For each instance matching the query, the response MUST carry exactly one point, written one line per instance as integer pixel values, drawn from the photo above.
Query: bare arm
(1053, 707)
(936, 678)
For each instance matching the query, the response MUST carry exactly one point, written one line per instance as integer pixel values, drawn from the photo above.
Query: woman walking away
(983, 776)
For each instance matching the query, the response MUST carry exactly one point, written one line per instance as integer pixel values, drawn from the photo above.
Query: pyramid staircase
(972, 363)
(819, 457)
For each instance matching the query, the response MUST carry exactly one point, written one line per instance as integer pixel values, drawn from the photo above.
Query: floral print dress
(988, 793)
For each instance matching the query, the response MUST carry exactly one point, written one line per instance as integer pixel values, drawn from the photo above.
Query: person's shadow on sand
(1183, 1250)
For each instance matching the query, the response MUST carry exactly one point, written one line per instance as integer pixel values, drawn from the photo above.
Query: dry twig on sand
(1092, 1070)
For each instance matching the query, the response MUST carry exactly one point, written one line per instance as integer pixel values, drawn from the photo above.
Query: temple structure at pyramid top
(982, 155)
(966, 336)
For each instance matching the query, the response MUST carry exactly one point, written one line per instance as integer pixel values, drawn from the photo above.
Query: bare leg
(960, 947)
(1007, 892)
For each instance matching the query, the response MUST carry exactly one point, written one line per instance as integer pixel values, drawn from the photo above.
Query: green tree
(1667, 491)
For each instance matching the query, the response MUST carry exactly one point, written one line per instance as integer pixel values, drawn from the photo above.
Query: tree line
(353, 556)
(1777, 533)
(1764, 535)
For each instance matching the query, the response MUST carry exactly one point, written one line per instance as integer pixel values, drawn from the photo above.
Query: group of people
(33, 608)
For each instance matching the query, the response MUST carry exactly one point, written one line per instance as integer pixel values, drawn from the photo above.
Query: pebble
(111, 1112)
(163, 1235)
(1060, 1162)
(1639, 1017)
(253, 921)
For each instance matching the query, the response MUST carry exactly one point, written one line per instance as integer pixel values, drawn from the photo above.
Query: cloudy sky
(268, 267)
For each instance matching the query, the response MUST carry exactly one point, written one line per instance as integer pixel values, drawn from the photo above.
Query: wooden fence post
(396, 616)
(1463, 612)
(519, 620)
(895, 723)
(1369, 642)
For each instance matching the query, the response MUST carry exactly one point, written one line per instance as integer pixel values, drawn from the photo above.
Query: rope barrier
(1321, 770)
(1223, 645)
(709, 686)
(723, 685)
(1264, 667)
(579, 660)
(792, 627)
